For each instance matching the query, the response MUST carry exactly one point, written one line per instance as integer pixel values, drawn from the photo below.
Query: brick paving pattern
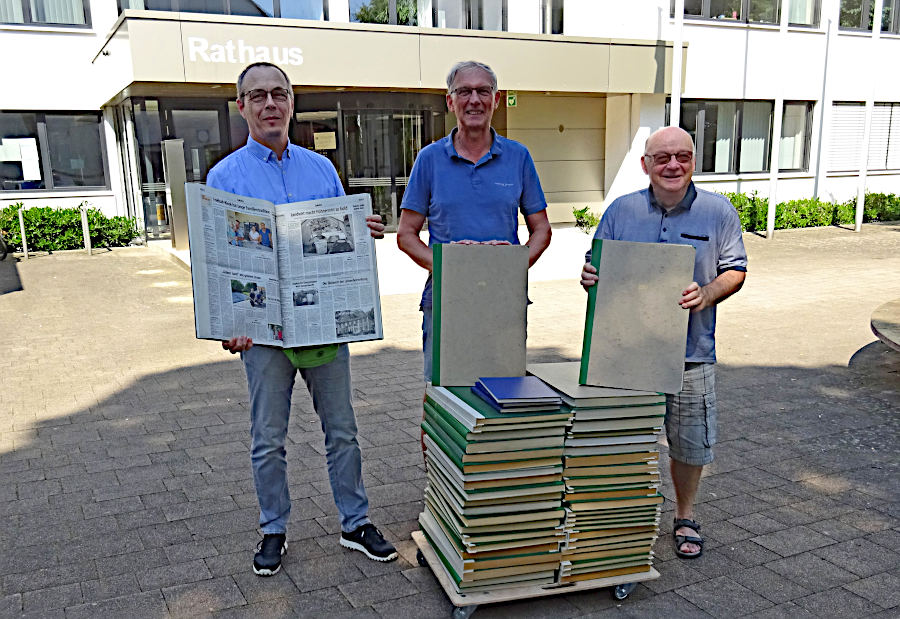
(126, 490)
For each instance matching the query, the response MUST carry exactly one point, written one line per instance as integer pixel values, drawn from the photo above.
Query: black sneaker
(369, 541)
(267, 560)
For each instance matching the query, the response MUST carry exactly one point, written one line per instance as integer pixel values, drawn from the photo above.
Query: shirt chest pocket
(504, 192)
(700, 242)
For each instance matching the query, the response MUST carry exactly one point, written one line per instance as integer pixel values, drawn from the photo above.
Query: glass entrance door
(380, 148)
(204, 128)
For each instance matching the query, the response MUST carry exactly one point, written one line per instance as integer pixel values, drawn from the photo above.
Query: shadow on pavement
(144, 502)
(9, 276)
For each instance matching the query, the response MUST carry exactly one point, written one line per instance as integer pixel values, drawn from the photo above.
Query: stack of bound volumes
(517, 394)
(493, 505)
(611, 475)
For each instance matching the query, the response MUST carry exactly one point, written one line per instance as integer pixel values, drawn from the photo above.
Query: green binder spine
(436, 314)
(596, 250)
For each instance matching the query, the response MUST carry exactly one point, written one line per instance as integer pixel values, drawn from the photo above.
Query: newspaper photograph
(288, 275)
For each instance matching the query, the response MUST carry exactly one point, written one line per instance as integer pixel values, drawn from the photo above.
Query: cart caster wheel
(620, 592)
(463, 612)
(420, 559)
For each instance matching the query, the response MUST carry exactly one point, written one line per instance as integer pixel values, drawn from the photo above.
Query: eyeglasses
(260, 95)
(465, 93)
(684, 156)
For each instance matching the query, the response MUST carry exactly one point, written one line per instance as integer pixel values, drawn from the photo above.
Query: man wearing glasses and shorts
(672, 210)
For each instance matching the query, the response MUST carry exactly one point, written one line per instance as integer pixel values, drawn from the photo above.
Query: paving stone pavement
(126, 490)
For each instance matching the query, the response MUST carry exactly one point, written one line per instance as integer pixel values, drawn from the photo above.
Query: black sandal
(680, 540)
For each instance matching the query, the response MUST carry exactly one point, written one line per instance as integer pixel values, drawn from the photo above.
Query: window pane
(719, 136)
(76, 155)
(20, 163)
(893, 150)
(488, 15)
(11, 11)
(755, 131)
(210, 7)
(150, 5)
(852, 15)
(256, 8)
(58, 12)
(237, 126)
(803, 12)
(765, 11)
(369, 11)
(848, 122)
(449, 14)
(794, 137)
(378, 12)
(303, 9)
(725, 9)
(889, 22)
(688, 120)
(880, 136)
(691, 7)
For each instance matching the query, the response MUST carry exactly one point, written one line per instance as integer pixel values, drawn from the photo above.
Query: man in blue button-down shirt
(271, 168)
(672, 210)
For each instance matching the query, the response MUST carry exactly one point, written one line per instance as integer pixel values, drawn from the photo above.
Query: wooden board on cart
(509, 594)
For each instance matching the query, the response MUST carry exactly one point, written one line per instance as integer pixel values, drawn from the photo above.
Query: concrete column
(775, 150)
(677, 55)
(867, 131)
(818, 159)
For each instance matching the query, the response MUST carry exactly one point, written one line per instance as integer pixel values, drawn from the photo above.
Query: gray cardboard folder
(478, 315)
(635, 332)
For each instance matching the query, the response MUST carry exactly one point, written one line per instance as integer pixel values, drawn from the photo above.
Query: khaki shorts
(691, 416)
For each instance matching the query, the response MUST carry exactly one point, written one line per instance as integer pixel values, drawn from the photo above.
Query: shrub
(585, 219)
(49, 229)
(811, 212)
(881, 207)
(751, 209)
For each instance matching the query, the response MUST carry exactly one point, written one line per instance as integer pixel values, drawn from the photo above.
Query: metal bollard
(22, 230)
(84, 229)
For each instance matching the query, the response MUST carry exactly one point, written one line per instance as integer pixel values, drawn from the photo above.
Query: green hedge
(49, 229)
(811, 212)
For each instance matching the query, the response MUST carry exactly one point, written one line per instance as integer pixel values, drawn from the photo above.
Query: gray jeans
(270, 378)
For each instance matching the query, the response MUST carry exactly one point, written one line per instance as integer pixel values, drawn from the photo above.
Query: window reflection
(378, 12)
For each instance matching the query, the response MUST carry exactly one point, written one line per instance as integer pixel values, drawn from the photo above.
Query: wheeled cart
(466, 603)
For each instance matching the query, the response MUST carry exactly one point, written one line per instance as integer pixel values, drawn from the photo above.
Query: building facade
(94, 87)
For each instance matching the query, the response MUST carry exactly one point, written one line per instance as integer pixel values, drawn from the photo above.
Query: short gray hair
(470, 64)
(240, 79)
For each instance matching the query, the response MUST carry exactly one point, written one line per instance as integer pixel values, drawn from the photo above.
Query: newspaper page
(234, 266)
(329, 279)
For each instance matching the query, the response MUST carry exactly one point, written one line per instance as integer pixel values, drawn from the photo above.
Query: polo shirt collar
(264, 152)
(496, 147)
(685, 203)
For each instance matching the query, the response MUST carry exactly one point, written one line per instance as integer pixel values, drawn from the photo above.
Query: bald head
(674, 137)
(669, 162)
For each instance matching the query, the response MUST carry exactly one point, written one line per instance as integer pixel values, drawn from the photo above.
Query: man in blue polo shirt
(271, 168)
(672, 210)
(470, 185)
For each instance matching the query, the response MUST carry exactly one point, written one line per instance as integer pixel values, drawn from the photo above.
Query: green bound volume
(596, 250)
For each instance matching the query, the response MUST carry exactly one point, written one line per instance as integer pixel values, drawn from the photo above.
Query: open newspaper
(288, 275)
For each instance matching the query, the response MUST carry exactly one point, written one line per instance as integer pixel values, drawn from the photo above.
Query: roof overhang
(188, 48)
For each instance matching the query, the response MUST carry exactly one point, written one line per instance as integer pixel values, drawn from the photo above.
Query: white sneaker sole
(262, 571)
(354, 546)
